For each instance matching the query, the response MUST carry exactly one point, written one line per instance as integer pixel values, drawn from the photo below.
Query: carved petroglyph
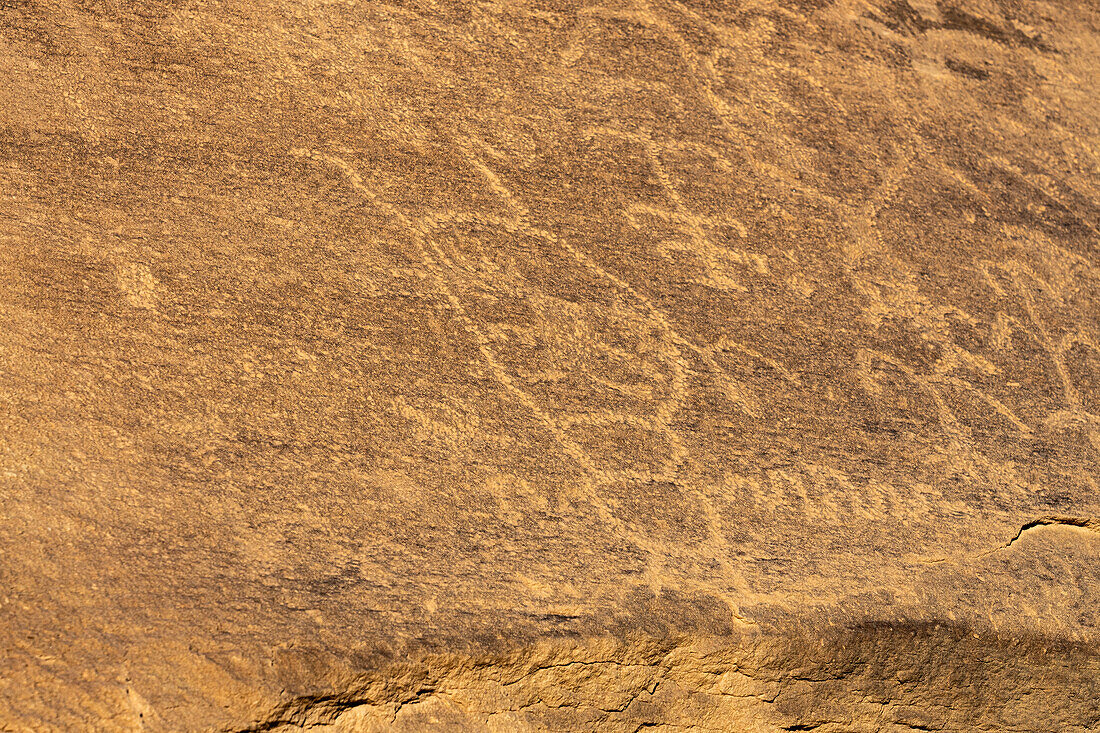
(615, 449)
(718, 261)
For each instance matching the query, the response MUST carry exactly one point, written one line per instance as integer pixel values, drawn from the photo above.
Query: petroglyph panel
(663, 336)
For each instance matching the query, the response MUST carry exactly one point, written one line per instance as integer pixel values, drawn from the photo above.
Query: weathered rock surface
(550, 365)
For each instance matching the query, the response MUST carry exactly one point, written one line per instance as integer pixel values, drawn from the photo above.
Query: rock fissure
(1090, 525)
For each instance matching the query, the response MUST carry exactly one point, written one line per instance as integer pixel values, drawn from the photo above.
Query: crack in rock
(1090, 525)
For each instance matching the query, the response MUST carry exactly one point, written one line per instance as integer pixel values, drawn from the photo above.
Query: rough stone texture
(550, 365)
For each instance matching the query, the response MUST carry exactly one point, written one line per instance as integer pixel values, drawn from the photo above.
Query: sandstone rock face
(550, 365)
